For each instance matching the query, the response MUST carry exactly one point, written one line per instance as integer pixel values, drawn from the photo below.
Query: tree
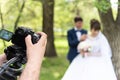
(11, 8)
(2, 24)
(111, 29)
(48, 21)
(19, 15)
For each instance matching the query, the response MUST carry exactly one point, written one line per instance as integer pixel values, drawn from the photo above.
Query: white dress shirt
(78, 34)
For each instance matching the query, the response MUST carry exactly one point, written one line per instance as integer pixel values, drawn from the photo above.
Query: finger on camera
(28, 40)
(43, 39)
(41, 33)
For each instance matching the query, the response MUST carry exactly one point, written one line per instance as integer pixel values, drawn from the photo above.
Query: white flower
(84, 46)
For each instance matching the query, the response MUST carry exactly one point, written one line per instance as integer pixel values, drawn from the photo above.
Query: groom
(75, 36)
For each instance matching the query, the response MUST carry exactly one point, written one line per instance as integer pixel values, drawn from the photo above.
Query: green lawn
(52, 68)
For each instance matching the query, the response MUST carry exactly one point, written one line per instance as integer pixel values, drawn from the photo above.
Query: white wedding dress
(93, 67)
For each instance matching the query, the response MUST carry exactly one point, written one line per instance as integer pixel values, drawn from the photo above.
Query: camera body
(18, 49)
(16, 53)
(18, 37)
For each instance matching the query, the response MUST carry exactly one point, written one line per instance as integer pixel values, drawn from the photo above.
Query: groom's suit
(73, 42)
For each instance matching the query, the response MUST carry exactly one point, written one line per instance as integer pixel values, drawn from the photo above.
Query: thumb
(28, 40)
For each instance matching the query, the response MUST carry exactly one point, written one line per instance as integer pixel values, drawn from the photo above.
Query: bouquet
(84, 48)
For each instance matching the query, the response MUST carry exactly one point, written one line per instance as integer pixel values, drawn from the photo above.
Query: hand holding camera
(22, 39)
(37, 48)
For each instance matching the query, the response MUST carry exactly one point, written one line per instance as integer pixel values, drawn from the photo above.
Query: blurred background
(55, 17)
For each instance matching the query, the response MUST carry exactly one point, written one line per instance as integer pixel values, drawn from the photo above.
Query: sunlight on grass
(54, 68)
(61, 45)
(56, 74)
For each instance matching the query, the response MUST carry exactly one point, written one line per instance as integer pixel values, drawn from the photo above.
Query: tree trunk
(48, 21)
(111, 29)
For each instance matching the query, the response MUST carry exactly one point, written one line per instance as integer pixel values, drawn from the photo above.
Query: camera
(16, 53)
(19, 37)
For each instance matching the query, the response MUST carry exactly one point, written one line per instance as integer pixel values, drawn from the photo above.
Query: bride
(94, 61)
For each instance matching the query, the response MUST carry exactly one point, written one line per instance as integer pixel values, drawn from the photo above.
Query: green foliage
(66, 11)
(31, 16)
(2, 47)
(103, 5)
(63, 17)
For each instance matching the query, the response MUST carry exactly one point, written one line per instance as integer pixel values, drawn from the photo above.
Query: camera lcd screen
(5, 35)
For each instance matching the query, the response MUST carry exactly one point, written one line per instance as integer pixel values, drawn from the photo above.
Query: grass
(52, 68)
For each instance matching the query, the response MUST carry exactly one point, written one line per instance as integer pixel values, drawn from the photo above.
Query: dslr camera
(16, 53)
